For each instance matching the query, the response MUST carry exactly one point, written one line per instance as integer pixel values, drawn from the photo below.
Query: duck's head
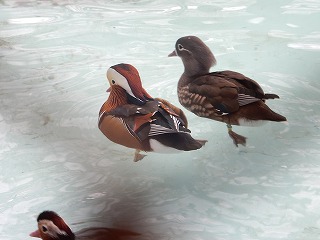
(52, 227)
(127, 77)
(196, 56)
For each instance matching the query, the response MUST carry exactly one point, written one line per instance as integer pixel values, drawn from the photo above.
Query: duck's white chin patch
(251, 123)
(158, 147)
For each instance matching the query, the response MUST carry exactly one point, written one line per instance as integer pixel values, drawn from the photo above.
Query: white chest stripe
(101, 114)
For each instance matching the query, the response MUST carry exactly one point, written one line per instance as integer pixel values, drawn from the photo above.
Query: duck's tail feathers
(270, 96)
(180, 141)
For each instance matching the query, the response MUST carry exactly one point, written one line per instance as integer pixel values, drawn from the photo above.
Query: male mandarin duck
(52, 227)
(224, 96)
(132, 118)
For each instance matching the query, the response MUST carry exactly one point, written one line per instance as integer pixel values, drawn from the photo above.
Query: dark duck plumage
(132, 118)
(224, 96)
(52, 227)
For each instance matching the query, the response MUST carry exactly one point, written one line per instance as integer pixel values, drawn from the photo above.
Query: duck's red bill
(35, 234)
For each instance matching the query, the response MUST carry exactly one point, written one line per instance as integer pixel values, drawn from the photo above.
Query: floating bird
(132, 118)
(224, 96)
(52, 227)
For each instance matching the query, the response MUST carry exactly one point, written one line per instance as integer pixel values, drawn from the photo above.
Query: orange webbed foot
(138, 156)
(237, 139)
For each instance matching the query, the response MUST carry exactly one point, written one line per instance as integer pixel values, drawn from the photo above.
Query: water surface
(54, 55)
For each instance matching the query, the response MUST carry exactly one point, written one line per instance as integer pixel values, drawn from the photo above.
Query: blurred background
(53, 60)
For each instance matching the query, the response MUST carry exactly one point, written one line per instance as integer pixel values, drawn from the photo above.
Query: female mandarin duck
(132, 118)
(52, 227)
(224, 96)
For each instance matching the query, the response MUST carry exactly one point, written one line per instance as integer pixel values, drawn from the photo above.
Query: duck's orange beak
(174, 53)
(35, 234)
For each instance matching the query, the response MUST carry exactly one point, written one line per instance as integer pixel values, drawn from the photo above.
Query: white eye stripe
(115, 77)
(51, 228)
(181, 48)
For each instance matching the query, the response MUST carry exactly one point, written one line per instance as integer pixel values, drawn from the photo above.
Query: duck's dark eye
(180, 47)
(113, 81)
(44, 229)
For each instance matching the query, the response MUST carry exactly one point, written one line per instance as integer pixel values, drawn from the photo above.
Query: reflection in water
(52, 227)
(54, 56)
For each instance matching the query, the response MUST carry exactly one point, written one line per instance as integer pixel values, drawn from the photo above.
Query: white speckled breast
(196, 103)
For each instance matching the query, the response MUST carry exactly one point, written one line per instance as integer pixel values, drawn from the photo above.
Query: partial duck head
(127, 77)
(196, 56)
(52, 227)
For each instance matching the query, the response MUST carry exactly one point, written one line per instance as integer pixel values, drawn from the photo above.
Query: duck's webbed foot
(237, 139)
(138, 156)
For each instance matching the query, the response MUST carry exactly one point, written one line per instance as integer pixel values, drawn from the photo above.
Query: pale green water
(54, 55)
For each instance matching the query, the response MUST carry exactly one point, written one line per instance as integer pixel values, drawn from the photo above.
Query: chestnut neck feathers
(116, 98)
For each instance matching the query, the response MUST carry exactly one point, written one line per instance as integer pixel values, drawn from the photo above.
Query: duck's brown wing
(136, 118)
(245, 84)
(153, 118)
(221, 94)
(228, 90)
(128, 110)
(174, 110)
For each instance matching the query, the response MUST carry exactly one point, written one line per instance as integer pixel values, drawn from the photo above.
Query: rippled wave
(54, 56)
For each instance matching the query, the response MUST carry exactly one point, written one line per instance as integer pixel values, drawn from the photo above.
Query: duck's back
(106, 233)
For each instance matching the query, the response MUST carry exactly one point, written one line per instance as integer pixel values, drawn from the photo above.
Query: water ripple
(16, 32)
(32, 20)
(302, 7)
(305, 46)
(54, 55)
